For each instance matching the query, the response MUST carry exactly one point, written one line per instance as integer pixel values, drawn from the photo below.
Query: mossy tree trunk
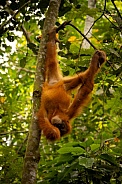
(32, 155)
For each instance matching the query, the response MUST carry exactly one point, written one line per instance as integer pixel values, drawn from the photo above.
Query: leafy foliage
(92, 153)
(78, 162)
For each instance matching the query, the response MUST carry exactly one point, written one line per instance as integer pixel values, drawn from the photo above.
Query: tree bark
(32, 155)
(88, 23)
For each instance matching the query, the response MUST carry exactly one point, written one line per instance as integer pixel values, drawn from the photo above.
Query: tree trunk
(32, 155)
(88, 23)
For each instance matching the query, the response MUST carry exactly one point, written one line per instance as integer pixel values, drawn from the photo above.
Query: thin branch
(103, 14)
(105, 6)
(94, 23)
(31, 45)
(12, 132)
(97, 18)
(83, 36)
(25, 34)
(111, 22)
(116, 9)
(111, 65)
(7, 22)
(24, 69)
(20, 147)
(62, 26)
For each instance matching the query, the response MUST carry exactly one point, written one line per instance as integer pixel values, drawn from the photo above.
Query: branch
(94, 23)
(112, 22)
(7, 22)
(83, 36)
(25, 34)
(31, 45)
(97, 18)
(20, 147)
(103, 14)
(24, 69)
(116, 9)
(12, 132)
(62, 26)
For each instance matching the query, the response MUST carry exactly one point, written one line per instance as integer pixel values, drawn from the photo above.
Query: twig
(31, 45)
(112, 22)
(105, 6)
(25, 34)
(97, 18)
(24, 69)
(83, 36)
(116, 9)
(62, 26)
(20, 147)
(12, 132)
(94, 23)
(7, 22)
(110, 65)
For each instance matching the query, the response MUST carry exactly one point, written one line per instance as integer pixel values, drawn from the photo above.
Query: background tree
(92, 152)
(88, 24)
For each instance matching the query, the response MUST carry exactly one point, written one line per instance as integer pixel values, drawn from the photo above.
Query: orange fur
(57, 108)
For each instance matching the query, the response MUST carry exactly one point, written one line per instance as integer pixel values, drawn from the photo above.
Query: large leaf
(108, 158)
(86, 162)
(72, 150)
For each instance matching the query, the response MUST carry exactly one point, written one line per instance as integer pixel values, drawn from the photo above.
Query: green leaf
(89, 142)
(117, 151)
(64, 158)
(95, 147)
(67, 171)
(70, 144)
(86, 162)
(72, 150)
(108, 158)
